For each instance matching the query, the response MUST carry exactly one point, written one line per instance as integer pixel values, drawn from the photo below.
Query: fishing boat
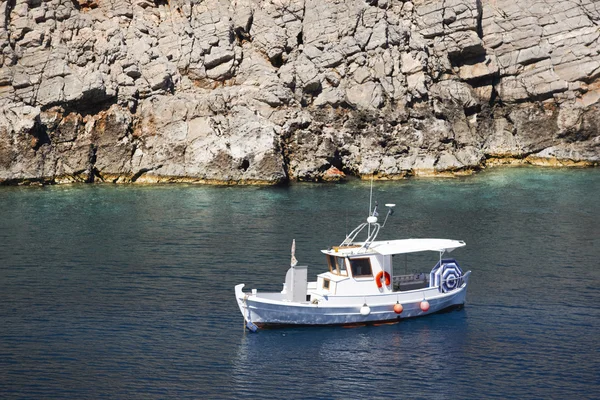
(363, 284)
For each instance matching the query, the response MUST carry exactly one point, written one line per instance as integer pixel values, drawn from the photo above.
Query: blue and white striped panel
(446, 276)
(451, 275)
(434, 276)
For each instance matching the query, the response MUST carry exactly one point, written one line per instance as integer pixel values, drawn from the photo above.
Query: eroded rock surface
(248, 91)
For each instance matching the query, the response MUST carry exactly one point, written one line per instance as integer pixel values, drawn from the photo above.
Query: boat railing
(410, 277)
(428, 292)
(350, 238)
(463, 280)
(422, 278)
(372, 236)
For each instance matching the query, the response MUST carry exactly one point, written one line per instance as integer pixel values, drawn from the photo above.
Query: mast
(370, 201)
(371, 220)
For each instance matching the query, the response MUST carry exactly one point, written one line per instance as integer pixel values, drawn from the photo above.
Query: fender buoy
(365, 310)
(388, 279)
(398, 308)
(424, 306)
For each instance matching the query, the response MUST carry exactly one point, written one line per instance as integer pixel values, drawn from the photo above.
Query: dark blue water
(127, 291)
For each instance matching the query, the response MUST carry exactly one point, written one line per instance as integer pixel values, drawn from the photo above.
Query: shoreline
(429, 174)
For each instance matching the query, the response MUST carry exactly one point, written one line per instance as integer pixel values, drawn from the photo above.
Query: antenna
(371, 196)
(346, 222)
(370, 201)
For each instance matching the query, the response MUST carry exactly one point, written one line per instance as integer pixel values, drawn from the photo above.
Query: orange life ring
(388, 279)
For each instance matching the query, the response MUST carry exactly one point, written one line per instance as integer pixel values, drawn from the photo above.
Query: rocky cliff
(250, 91)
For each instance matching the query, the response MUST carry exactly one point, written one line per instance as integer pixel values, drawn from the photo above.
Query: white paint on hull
(340, 310)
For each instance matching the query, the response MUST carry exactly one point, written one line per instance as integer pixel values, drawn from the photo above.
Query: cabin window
(337, 265)
(326, 284)
(341, 262)
(361, 267)
(332, 264)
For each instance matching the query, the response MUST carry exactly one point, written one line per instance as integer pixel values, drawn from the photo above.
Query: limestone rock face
(254, 91)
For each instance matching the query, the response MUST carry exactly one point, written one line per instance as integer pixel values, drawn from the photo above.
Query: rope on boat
(247, 322)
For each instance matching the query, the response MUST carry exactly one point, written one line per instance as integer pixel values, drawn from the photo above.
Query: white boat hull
(268, 310)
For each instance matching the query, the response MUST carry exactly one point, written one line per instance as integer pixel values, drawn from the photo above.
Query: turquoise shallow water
(127, 291)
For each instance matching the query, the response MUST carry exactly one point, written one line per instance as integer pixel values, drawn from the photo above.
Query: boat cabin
(368, 270)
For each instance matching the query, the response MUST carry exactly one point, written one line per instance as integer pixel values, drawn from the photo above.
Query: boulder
(368, 95)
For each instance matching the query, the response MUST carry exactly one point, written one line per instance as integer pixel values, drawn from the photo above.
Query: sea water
(127, 291)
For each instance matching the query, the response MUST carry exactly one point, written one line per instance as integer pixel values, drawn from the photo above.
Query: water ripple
(127, 292)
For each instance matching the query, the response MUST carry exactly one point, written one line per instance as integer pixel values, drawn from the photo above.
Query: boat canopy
(415, 245)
